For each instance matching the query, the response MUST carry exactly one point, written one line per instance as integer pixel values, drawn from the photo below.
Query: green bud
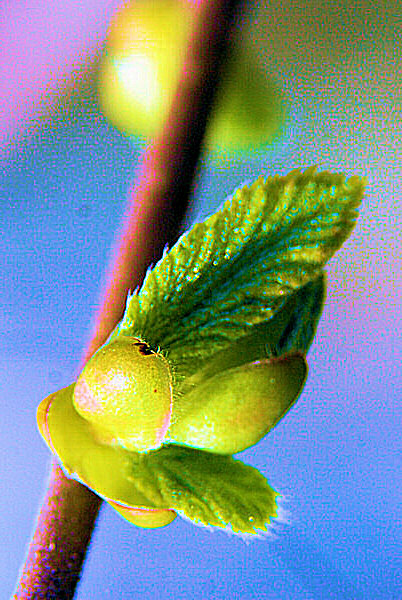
(125, 392)
(234, 409)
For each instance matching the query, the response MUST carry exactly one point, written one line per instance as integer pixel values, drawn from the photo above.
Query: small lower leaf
(213, 490)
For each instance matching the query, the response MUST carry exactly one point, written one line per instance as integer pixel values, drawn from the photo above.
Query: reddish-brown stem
(158, 204)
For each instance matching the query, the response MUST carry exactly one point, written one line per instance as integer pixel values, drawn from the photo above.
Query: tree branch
(67, 517)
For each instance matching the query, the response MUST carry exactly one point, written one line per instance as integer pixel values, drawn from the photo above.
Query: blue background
(336, 457)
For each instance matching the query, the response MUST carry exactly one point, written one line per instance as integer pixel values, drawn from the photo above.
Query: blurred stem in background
(154, 215)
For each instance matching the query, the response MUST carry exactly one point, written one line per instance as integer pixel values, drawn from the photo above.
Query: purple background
(336, 457)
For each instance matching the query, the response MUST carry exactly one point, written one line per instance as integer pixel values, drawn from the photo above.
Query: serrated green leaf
(213, 490)
(233, 272)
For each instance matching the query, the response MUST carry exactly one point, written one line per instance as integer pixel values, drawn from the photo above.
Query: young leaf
(232, 272)
(213, 490)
